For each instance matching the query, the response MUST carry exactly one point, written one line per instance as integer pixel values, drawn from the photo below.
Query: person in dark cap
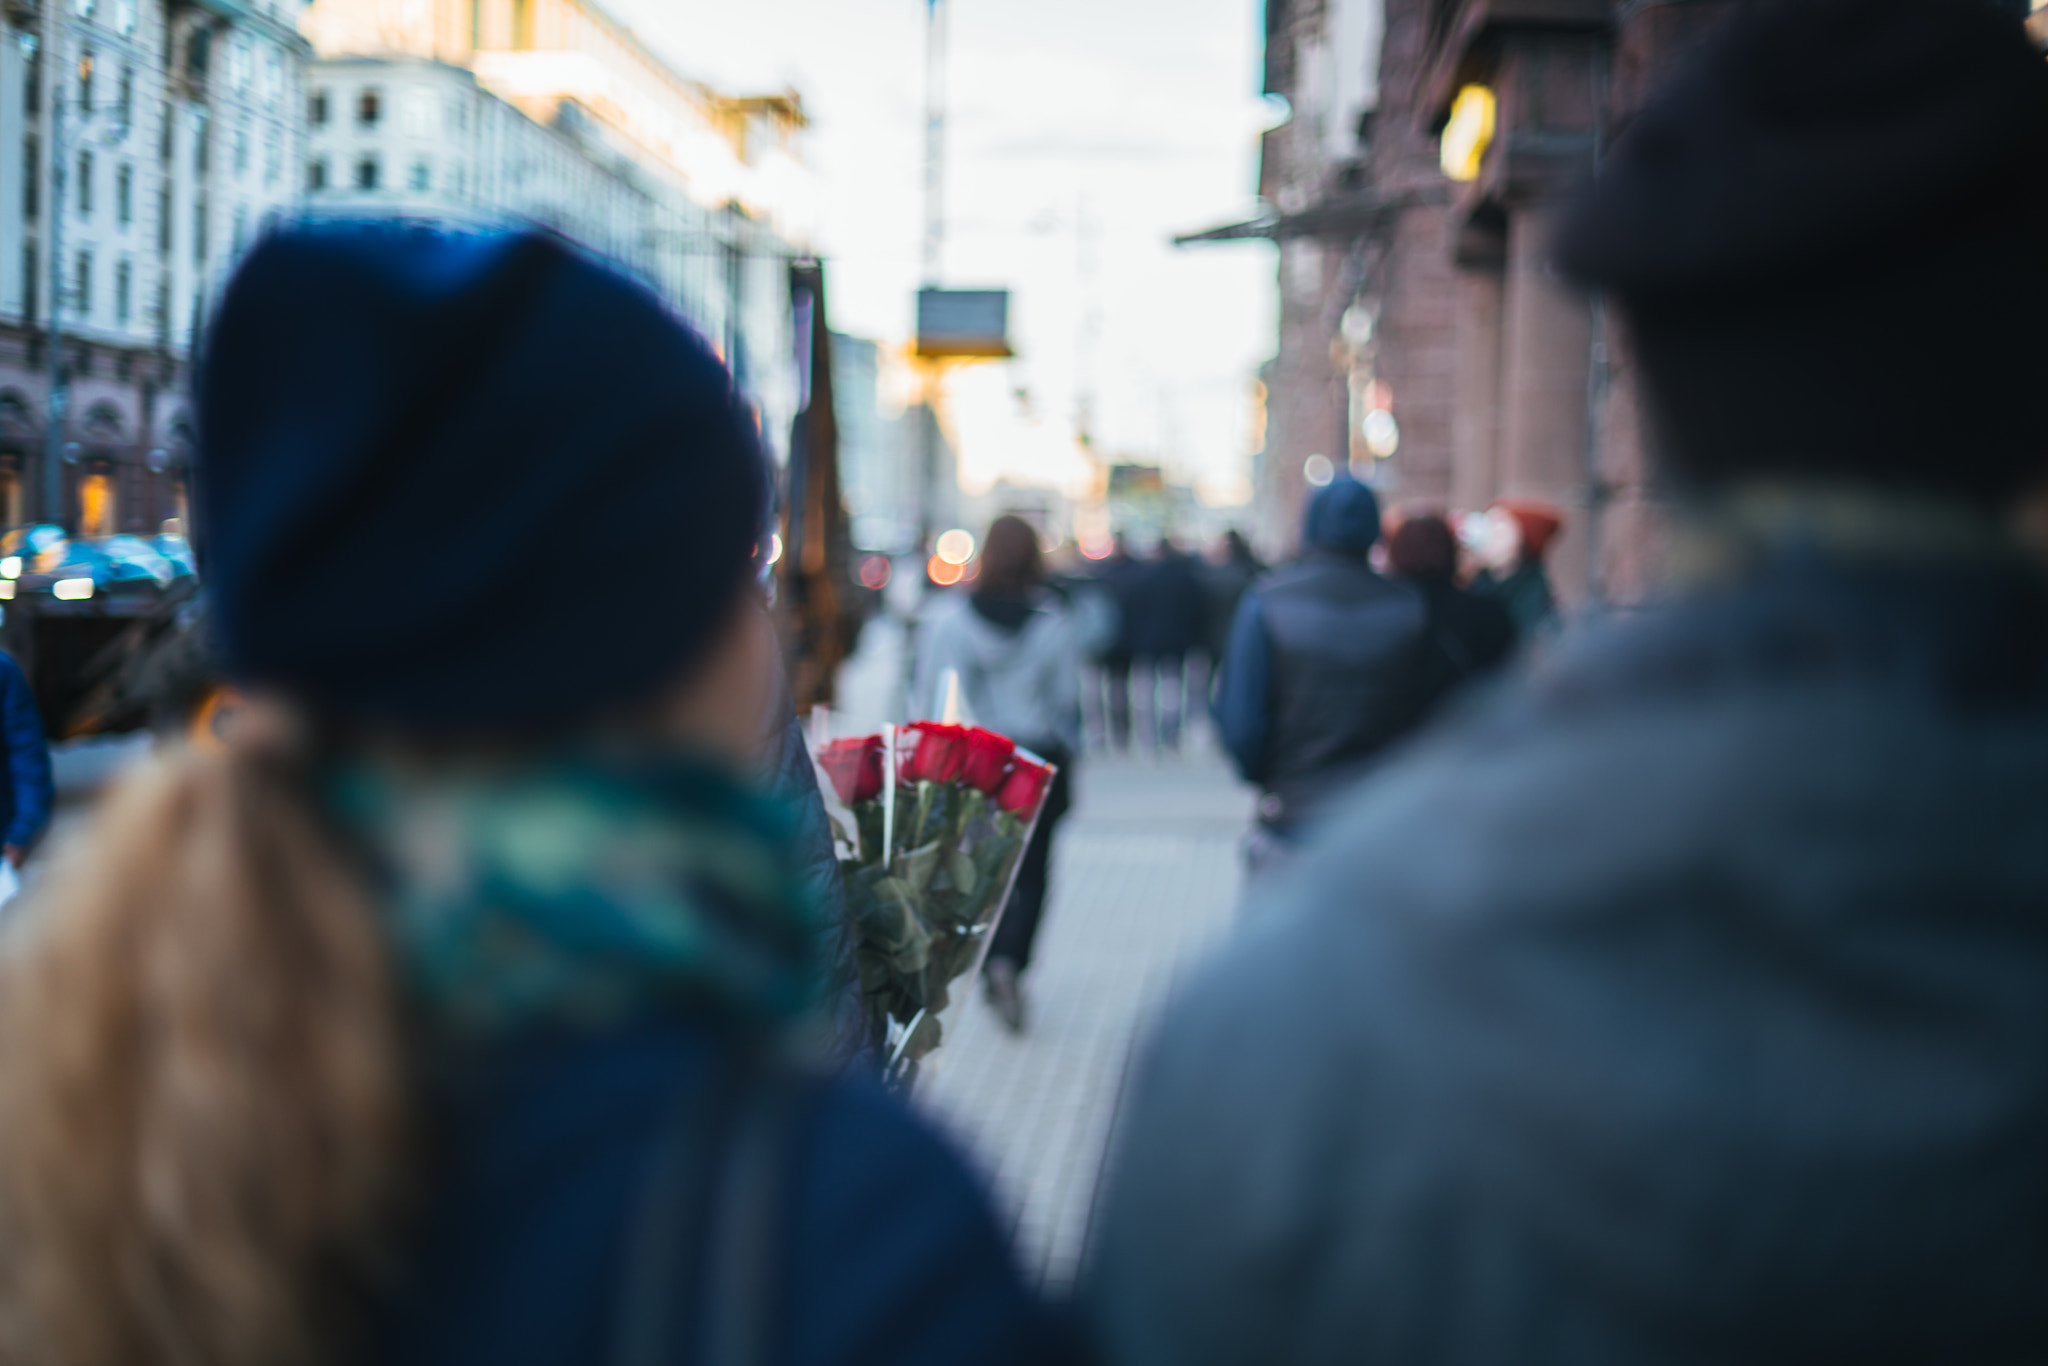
(1688, 1001)
(457, 1008)
(1319, 674)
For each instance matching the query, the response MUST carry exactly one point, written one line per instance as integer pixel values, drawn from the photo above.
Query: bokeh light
(874, 572)
(956, 547)
(942, 573)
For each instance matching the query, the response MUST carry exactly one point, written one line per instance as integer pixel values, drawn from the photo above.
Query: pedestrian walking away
(1118, 578)
(1167, 602)
(1687, 999)
(1322, 670)
(1010, 648)
(1519, 533)
(461, 1007)
(1466, 636)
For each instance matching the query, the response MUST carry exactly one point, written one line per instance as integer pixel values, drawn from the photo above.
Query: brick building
(1423, 339)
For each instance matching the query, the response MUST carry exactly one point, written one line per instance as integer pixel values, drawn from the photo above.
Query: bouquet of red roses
(937, 817)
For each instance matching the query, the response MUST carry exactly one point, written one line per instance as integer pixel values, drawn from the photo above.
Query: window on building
(85, 79)
(31, 284)
(85, 184)
(32, 85)
(81, 286)
(273, 158)
(367, 172)
(124, 104)
(202, 141)
(163, 313)
(164, 221)
(124, 16)
(317, 109)
(316, 174)
(420, 109)
(96, 504)
(31, 177)
(522, 24)
(241, 151)
(85, 8)
(124, 284)
(124, 194)
(199, 230)
(167, 135)
(199, 53)
(422, 176)
(370, 107)
(241, 231)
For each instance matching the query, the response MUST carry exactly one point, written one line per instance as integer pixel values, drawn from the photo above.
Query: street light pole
(53, 455)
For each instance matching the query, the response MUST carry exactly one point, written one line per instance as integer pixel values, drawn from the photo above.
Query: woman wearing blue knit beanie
(456, 1012)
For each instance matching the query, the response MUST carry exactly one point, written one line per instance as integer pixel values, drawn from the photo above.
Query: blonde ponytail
(202, 1107)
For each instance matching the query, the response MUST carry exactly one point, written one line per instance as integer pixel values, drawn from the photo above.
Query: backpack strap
(752, 1217)
(708, 1232)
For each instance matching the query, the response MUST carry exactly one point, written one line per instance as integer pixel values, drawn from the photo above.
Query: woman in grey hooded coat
(1012, 650)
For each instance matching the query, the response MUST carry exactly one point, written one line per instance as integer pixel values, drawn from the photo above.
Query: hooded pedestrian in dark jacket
(1689, 1003)
(456, 1011)
(1321, 672)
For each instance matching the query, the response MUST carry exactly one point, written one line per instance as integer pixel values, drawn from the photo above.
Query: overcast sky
(1142, 113)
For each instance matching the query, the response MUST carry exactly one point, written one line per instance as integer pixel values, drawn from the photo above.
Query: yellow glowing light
(956, 547)
(71, 590)
(1469, 132)
(775, 548)
(943, 574)
(10, 568)
(6, 590)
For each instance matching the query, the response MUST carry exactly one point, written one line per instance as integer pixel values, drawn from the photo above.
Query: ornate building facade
(143, 143)
(1424, 339)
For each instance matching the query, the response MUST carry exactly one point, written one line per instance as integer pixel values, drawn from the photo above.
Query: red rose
(988, 760)
(940, 753)
(855, 767)
(1024, 788)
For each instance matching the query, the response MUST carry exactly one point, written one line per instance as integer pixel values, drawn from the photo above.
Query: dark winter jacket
(794, 781)
(1223, 587)
(1688, 1003)
(1118, 580)
(1467, 638)
(1526, 594)
(29, 793)
(1322, 673)
(1166, 606)
(885, 1252)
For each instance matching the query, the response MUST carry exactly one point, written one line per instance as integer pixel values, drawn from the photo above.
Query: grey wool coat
(1686, 1002)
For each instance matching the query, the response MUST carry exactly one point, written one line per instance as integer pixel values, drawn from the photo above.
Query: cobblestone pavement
(1145, 878)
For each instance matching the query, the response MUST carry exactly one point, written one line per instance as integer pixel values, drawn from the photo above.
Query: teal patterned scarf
(582, 893)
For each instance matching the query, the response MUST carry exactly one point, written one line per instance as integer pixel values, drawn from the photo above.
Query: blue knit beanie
(465, 482)
(1343, 517)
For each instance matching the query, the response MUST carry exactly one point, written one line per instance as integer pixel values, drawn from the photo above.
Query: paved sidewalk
(1145, 878)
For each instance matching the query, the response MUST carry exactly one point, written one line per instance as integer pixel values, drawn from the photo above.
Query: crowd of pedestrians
(1679, 995)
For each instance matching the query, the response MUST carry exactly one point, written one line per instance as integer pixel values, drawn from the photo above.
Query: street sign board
(964, 322)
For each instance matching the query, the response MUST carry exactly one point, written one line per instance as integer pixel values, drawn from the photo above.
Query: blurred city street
(1145, 880)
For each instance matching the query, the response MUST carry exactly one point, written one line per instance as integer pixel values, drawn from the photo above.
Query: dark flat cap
(1829, 237)
(1811, 136)
(465, 482)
